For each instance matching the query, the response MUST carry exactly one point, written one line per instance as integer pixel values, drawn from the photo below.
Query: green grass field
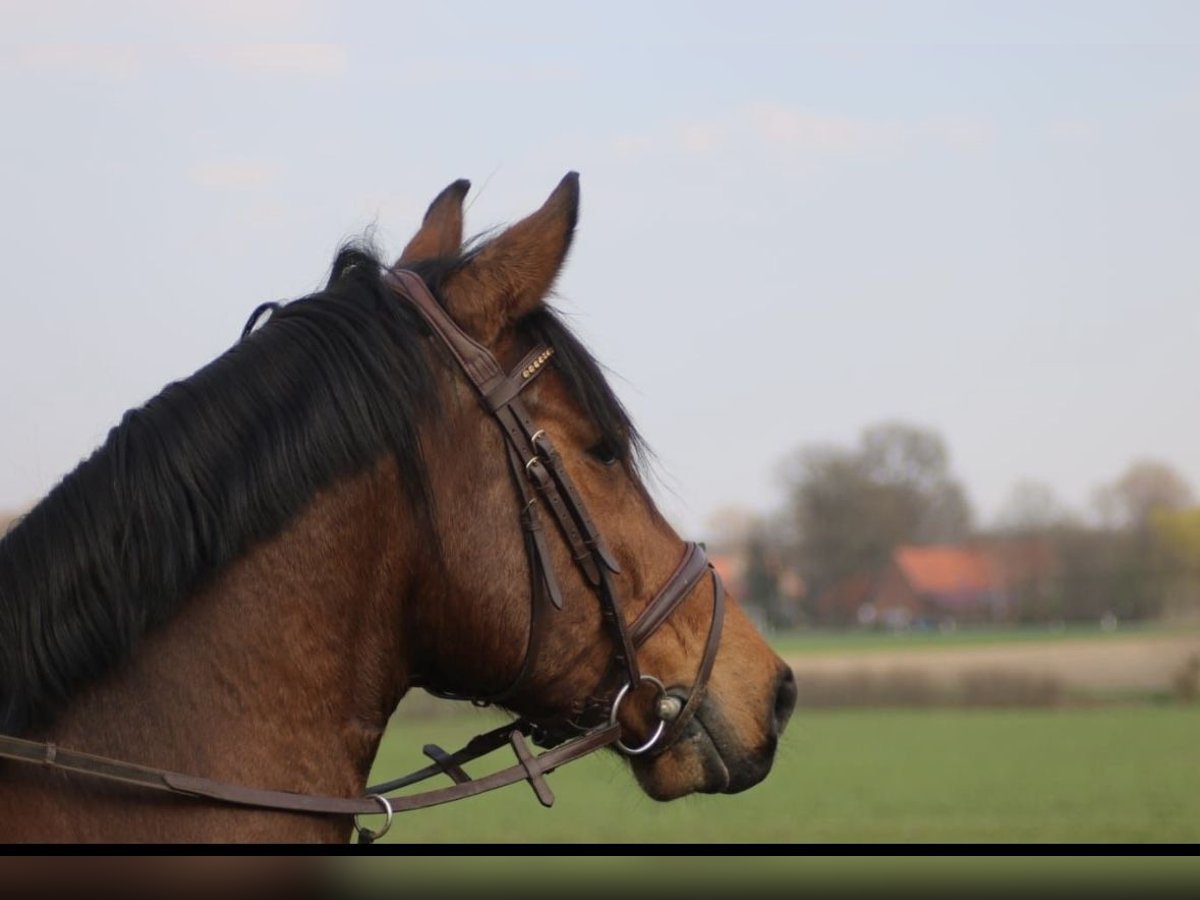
(1057, 775)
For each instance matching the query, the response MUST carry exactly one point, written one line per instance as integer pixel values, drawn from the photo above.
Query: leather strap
(529, 768)
(699, 686)
(474, 358)
(686, 576)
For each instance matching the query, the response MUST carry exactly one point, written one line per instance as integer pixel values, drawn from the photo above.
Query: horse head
(476, 635)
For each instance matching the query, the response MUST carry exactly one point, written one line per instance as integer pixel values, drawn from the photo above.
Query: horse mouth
(705, 759)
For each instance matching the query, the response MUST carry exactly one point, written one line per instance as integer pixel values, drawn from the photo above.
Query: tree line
(846, 508)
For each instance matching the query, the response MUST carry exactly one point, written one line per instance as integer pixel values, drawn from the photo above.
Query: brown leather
(447, 764)
(532, 365)
(529, 764)
(531, 522)
(529, 768)
(686, 576)
(479, 364)
(594, 539)
(533, 460)
(696, 696)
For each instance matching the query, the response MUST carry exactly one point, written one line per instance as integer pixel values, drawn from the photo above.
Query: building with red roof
(951, 584)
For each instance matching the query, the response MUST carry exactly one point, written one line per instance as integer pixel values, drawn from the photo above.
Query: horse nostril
(785, 700)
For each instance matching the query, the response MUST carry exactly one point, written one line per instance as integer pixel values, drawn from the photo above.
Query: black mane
(223, 460)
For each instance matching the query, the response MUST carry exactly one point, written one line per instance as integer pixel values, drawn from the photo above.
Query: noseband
(541, 482)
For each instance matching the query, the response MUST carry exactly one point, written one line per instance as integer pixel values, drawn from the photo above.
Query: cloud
(123, 62)
(180, 21)
(313, 59)
(233, 174)
(802, 134)
(702, 138)
(263, 18)
(114, 62)
(959, 132)
(770, 127)
(1069, 131)
(631, 146)
(445, 69)
(790, 128)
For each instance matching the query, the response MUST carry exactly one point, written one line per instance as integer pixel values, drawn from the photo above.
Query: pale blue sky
(798, 219)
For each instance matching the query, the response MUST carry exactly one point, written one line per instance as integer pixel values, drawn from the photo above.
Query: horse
(415, 478)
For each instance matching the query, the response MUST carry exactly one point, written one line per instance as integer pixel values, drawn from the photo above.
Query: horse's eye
(605, 452)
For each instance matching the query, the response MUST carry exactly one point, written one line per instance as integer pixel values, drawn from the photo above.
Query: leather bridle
(541, 481)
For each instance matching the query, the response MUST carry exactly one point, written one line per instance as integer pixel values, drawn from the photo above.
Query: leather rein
(541, 481)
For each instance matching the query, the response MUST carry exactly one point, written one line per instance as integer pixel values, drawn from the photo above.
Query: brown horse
(244, 581)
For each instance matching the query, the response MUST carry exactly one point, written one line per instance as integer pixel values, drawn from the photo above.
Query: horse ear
(441, 232)
(511, 275)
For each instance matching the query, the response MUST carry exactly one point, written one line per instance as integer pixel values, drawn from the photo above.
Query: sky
(798, 219)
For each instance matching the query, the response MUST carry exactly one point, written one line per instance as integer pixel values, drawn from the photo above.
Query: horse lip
(736, 777)
(711, 752)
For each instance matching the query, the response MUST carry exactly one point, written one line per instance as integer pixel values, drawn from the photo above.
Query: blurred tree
(1177, 540)
(1178, 531)
(1144, 570)
(850, 507)
(762, 578)
(898, 454)
(1145, 486)
(755, 540)
(1101, 573)
(1133, 566)
(729, 528)
(831, 496)
(1031, 507)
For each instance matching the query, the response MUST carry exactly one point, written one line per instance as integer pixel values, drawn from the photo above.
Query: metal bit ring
(612, 717)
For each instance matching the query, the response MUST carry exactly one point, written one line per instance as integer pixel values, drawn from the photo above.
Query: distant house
(845, 602)
(956, 584)
(939, 584)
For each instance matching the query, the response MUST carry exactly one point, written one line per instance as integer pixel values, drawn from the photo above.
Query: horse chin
(706, 759)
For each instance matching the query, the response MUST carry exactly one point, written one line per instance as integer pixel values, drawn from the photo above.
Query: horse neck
(281, 674)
